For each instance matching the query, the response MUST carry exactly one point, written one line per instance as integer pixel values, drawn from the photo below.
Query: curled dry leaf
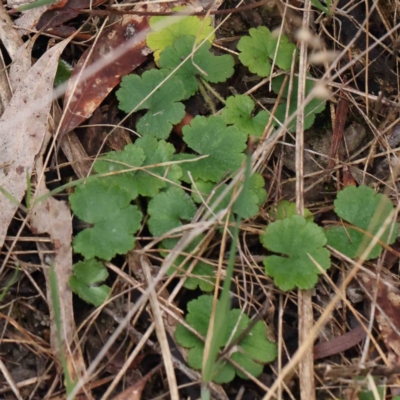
(22, 129)
(118, 51)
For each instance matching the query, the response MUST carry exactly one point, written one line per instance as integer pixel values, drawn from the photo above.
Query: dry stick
(160, 331)
(177, 13)
(305, 309)
(10, 380)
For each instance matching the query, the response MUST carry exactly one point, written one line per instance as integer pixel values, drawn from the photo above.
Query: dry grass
(132, 332)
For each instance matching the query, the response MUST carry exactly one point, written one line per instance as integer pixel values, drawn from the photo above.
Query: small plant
(251, 352)
(302, 242)
(164, 106)
(113, 218)
(259, 49)
(366, 210)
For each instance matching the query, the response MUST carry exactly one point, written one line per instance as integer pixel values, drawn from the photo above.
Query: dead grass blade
(161, 333)
(305, 307)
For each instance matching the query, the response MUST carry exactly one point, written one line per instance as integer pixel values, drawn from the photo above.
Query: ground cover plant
(212, 204)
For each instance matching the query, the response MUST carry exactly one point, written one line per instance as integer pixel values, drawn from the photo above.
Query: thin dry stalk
(306, 318)
(160, 330)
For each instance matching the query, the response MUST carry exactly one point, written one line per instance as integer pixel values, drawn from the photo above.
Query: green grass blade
(55, 297)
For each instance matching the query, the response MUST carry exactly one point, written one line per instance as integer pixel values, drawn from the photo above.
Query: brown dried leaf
(22, 129)
(62, 12)
(119, 50)
(135, 391)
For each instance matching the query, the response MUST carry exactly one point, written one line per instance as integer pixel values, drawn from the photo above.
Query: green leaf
(64, 71)
(249, 201)
(202, 275)
(114, 220)
(315, 106)
(164, 107)
(252, 352)
(168, 29)
(156, 152)
(168, 209)
(223, 145)
(247, 204)
(238, 112)
(285, 209)
(205, 64)
(85, 279)
(148, 153)
(365, 209)
(369, 394)
(131, 157)
(297, 239)
(259, 48)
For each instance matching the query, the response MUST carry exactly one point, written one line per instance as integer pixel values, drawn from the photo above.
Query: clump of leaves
(365, 210)
(87, 275)
(251, 352)
(238, 112)
(114, 220)
(302, 242)
(261, 47)
(315, 106)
